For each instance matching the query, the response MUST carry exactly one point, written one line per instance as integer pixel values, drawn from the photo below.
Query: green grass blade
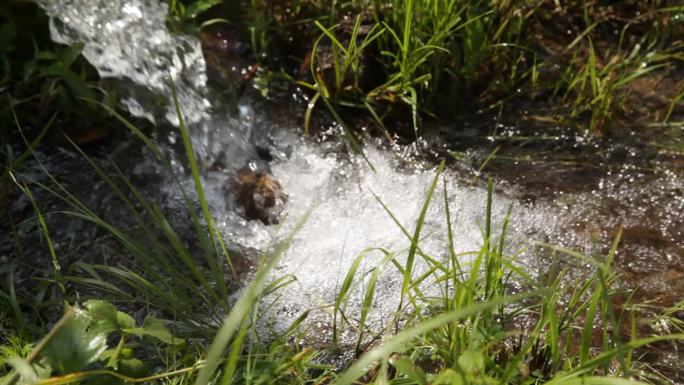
(398, 342)
(410, 259)
(241, 308)
(369, 295)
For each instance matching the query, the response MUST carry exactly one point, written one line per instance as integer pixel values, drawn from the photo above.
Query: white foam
(128, 39)
(346, 219)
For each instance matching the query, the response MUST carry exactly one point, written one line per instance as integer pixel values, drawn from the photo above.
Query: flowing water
(575, 203)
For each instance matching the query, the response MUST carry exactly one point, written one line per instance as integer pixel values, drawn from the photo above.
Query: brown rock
(259, 196)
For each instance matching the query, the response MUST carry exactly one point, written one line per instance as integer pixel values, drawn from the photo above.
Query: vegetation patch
(590, 63)
(173, 311)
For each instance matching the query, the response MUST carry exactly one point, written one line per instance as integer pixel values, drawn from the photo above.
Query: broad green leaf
(126, 353)
(154, 327)
(124, 320)
(78, 86)
(104, 313)
(198, 7)
(132, 367)
(45, 55)
(80, 342)
(53, 70)
(123, 353)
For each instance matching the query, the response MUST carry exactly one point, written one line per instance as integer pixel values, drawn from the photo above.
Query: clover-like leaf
(132, 367)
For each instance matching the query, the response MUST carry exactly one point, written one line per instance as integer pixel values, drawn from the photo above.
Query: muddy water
(563, 187)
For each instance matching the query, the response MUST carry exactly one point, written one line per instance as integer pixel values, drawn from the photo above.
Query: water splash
(127, 39)
(346, 220)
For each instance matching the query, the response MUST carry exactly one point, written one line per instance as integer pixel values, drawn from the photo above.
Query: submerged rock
(259, 196)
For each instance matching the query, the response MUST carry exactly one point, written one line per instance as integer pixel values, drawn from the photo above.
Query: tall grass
(189, 284)
(479, 328)
(470, 335)
(441, 57)
(601, 85)
(470, 332)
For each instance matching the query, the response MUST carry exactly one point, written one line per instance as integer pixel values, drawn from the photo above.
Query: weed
(439, 57)
(470, 333)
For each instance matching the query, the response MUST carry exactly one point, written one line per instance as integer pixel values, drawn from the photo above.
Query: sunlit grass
(437, 57)
(471, 332)
(434, 54)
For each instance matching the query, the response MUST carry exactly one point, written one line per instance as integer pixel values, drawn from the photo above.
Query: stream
(569, 189)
